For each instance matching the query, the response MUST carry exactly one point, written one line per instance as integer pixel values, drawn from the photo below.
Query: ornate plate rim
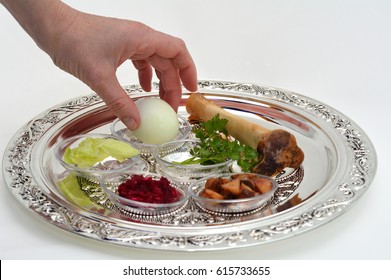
(359, 174)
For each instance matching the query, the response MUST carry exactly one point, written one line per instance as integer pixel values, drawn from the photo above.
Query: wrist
(43, 20)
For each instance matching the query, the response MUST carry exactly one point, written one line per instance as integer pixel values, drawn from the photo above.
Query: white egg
(158, 123)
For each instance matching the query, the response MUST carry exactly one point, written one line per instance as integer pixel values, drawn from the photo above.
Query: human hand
(92, 47)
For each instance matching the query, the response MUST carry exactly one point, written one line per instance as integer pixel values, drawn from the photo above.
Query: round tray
(339, 166)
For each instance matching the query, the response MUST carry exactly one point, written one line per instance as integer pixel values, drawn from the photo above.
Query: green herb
(216, 146)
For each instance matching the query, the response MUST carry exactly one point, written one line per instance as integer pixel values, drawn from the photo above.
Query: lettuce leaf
(93, 150)
(71, 189)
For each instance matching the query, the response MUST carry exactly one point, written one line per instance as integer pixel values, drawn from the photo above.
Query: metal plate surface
(340, 164)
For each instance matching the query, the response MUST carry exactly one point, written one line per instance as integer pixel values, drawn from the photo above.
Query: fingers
(189, 78)
(172, 62)
(148, 48)
(176, 51)
(118, 101)
(144, 74)
(170, 88)
(187, 70)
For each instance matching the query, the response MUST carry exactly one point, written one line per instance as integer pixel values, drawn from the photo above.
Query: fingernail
(130, 123)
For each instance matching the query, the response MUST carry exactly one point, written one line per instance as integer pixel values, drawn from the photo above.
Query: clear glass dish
(170, 155)
(120, 130)
(110, 186)
(106, 166)
(233, 205)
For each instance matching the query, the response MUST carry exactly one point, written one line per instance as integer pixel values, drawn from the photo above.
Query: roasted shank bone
(278, 148)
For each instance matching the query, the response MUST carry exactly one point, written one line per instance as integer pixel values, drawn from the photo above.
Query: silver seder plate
(339, 166)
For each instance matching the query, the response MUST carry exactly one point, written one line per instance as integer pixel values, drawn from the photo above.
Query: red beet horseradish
(149, 190)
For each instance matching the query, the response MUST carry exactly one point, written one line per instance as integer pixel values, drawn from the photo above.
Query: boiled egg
(158, 121)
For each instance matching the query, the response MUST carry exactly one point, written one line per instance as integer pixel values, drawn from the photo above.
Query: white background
(337, 52)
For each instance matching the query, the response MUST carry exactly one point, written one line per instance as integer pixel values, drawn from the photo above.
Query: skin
(92, 47)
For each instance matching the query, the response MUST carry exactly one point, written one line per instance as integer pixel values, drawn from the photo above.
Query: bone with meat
(278, 147)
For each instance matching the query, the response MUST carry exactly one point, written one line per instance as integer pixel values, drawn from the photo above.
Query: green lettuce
(71, 189)
(93, 150)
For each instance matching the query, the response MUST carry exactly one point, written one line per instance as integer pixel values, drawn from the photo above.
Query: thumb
(118, 102)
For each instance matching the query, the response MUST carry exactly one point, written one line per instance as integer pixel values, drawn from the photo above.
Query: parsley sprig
(216, 146)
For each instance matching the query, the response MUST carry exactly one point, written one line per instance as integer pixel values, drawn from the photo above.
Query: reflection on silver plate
(339, 166)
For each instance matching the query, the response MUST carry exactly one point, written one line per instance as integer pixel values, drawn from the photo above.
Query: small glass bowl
(119, 129)
(169, 155)
(110, 185)
(231, 206)
(102, 168)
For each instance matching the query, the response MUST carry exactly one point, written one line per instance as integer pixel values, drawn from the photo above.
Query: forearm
(43, 20)
(92, 47)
